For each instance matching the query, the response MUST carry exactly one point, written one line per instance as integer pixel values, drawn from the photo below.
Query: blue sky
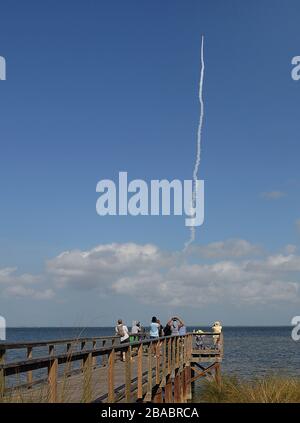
(94, 88)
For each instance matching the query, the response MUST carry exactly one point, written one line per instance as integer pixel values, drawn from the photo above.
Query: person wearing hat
(217, 329)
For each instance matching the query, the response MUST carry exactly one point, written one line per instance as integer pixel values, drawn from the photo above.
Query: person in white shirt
(135, 331)
(217, 329)
(136, 327)
(122, 332)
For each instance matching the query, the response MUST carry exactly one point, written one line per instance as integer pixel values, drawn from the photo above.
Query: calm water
(248, 351)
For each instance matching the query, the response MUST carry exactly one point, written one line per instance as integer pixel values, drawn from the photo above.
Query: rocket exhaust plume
(199, 138)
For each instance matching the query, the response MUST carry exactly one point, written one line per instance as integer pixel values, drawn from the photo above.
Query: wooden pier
(91, 370)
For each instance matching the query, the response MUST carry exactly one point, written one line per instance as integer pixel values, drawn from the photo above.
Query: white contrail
(199, 136)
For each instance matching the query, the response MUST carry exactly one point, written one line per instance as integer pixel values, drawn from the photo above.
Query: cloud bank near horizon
(233, 271)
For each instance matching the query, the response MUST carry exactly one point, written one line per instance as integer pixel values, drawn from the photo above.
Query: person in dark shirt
(160, 329)
(167, 329)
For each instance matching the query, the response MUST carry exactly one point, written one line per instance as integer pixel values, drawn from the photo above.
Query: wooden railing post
(181, 341)
(161, 371)
(173, 352)
(29, 356)
(177, 351)
(128, 374)
(190, 348)
(221, 344)
(218, 374)
(52, 380)
(187, 370)
(157, 364)
(51, 350)
(187, 340)
(68, 365)
(164, 363)
(2, 375)
(140, 373)
(87, 378)
(169, 355)
(94, 359)
(104, 358)
(148, 397)
(111, 376)
(82, 348)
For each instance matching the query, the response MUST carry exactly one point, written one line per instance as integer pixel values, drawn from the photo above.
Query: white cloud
(234, 274)
(8, 275)
(105, 263)
(21, 291)
(154, 276)
(232, 248)
(23, 285)
(273, 195)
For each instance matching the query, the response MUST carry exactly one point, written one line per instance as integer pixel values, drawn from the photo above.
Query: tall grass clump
(266, 389)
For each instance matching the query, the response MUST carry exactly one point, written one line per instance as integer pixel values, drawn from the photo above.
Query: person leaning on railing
(135, 331)
(217, 329)
(154, 328)
(122, 331)
(176, 326)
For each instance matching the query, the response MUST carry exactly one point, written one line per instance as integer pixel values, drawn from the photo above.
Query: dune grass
(267, 389)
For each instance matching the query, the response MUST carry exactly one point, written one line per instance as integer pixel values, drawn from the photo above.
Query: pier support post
(158, 396)
(168, 390)
(192, 378)
(177, 387)
(218, 374)
(183, 384)
(188, 394)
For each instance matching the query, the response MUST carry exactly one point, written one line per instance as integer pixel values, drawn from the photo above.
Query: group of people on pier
(175, 326)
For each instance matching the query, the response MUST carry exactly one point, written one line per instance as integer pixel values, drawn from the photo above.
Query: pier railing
(38, 350)
(153, 369)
